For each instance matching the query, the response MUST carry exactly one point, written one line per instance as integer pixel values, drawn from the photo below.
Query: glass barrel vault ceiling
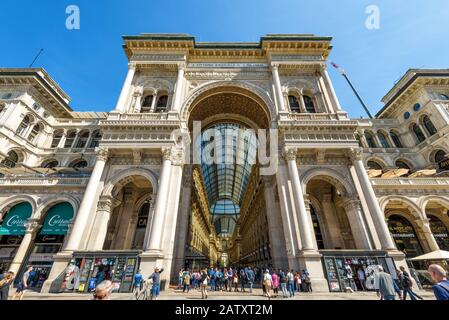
(228, 152)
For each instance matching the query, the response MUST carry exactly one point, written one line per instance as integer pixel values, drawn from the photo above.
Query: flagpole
(353, 89)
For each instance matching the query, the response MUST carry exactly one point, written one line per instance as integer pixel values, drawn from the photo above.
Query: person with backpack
(407, 286)
(307, 281)
(439, 276)
(251, 278)
(186, 281)
(242, 279)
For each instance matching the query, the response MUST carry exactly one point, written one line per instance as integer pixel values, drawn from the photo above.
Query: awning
(373, 173)
(395, 173)
(423, 173)
(434, 255)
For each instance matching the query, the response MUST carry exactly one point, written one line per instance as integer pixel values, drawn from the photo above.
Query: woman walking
(275, 282)
(203, 284)
(235, 281)
(267, 281)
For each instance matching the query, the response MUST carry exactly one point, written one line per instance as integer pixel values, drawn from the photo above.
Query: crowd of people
(276, 282)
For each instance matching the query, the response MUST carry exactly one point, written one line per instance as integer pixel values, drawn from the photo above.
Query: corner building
(86, 196)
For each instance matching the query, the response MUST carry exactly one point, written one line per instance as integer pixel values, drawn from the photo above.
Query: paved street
(172, 294)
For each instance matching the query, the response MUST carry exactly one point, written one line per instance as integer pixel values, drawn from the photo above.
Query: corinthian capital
(32, 226)
(355, 154)
(132, 65)
(105, 203)
(182, 66)
(102, 154)
(289, 154)
(166, 153)
(274, 66)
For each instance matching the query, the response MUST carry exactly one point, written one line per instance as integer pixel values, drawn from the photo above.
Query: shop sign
(58, 220)
(15, 220)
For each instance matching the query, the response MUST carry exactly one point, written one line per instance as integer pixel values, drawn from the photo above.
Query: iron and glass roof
(227, 153)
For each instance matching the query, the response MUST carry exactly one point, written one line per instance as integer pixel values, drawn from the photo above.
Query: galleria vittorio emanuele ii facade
(303, 186)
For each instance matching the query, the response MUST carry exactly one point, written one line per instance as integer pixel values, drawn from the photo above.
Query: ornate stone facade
(342, 187)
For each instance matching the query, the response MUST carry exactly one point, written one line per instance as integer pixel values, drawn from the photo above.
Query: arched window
(142, 221)
(442, 96)
(57, 136)
(396, 140)
(162, 104)
(96, 137)
(70, 139)
(404, 236)
(308, 103)
(294, 104)
(439, 231)
(429, 125)
(402, 164)
(316, 228)
(11, 159)
(418, 133)
(440, 156)
(147, 103)
(82, 139)
(370, 140)
(374, 165)
(23, 125)
(383, 140)
(79, 164)
(34, 132)
(49, 164)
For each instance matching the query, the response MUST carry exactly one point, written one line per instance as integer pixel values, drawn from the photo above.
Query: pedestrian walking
(361, 277)
(186, 281)
(5, 283)
(203, 283)
(235, 281)
(267, 281)
(180, 277)
(137, 282)
(155, 277)
(407, 286)
(297, 282)
(242, 278)
(307, 281)
(291, 283)
(384, 285)
(283, 282)
(439, 276)
(23, 284)
(251, 278)
(275, 283)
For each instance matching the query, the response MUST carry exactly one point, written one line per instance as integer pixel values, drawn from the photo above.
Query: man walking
(384, 285)
(291, 283)
(138, 283)
(407, 285)
(439, 276)
(23, 284)
(156, 278)
(251, 278)
(283, 281)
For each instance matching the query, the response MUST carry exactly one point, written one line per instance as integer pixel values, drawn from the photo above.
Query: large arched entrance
(227, 222)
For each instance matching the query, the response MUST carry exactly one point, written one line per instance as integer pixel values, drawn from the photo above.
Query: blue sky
(89, 64)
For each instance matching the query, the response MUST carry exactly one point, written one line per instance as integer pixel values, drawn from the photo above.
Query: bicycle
(143, 294)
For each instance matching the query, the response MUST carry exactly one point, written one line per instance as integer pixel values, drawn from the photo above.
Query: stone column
(161, 203)
(275, 231)
(358, 227)
(277, 85)
(100, 228)
(120, 107)
(371, 199)
(425, 227)
(153, 102)
(177, 101)
(82, 217)
(149, 223)
(309, 218)
(329, 85)
(304, 225)
(32, 226)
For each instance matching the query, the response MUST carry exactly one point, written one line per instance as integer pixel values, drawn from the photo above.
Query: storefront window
(404, 236)
(440, 232)
(12, 230)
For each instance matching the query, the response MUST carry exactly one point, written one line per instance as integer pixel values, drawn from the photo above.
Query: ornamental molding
(226, 75)
(289, 154)
(355, 154)
(102, 154)
(105, 203)
(158, 57)
(299, 57)
(149, 82)
(148, 161)
(227, 65)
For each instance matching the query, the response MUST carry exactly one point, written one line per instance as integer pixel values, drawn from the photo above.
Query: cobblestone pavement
(193, 295)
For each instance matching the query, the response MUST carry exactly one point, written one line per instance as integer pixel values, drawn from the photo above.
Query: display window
(404, 236)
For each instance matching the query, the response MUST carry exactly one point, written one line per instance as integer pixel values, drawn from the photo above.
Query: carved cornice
(355, 154)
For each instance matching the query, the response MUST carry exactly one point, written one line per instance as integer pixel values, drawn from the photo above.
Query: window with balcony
(396, 140)
(308, 103)
(82, 139)
(370, 140)
(79, 164)
(294, 104)
(162, 103)
(34, 132)
(383, 140)
(147, 103)
(71, 135)
(418, 133)
(96, 137)
(23, 126)
(429, 125)
(57, 136)
(11, 160)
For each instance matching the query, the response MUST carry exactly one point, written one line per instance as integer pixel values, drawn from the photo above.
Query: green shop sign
(15, 220)
(58, 219)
